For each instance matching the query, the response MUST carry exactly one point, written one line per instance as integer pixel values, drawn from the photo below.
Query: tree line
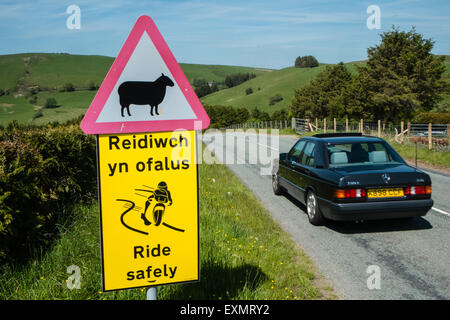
(202, 87)
(225, 116)
(400, 79)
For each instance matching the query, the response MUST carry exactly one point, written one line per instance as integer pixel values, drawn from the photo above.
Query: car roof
(336, 138)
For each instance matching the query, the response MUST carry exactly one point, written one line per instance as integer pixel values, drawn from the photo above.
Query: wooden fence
(435, 134)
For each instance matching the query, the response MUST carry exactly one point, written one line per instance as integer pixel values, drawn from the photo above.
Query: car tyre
(276, 185)
(315, 216)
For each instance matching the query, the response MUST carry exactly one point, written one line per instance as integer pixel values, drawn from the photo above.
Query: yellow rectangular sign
(148, 191)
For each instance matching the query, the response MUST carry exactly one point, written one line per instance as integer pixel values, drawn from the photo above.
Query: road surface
(412, 257)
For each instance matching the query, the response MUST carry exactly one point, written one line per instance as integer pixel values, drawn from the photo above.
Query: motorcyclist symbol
(160, 197)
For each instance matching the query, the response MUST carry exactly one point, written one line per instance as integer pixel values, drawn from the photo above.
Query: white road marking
(264, 145)
(441, 211)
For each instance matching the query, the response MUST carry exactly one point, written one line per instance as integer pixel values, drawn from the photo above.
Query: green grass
(51, 71)
(54, 70)
(12, 108)
(264, 87)
(216, 73)
(71, 105)
(244, 254)
(432, 157)
(12, 68)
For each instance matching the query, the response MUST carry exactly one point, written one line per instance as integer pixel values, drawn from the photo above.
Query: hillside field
(20, 73)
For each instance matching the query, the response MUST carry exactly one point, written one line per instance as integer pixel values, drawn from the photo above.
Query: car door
(303, 168)
(287, 173)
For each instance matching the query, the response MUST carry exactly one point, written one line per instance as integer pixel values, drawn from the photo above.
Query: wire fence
(435, 136)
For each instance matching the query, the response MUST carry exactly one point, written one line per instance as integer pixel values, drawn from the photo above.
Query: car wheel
(276, 185)
(312, 209)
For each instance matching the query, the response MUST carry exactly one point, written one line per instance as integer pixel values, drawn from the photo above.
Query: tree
(255, 113)
(280, 115)
(324, 96)
(306, 62)
(92, 85)
(68, 87)
(202, 87)
(401, 78)
(274, 99)
(51, 103)
(236, 79)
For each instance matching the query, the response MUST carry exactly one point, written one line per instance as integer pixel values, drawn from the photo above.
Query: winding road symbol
(157, 211)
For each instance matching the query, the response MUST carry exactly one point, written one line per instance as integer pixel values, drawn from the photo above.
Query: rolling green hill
(20, 73)
(265, 86)
(283, 82)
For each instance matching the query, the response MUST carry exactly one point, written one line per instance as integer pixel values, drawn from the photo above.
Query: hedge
(43, 171)
(433, 117)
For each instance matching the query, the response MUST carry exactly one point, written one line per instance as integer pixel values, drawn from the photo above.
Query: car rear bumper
(375, 210)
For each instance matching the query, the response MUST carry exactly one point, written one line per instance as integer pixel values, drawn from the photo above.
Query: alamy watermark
(374, 20)
(74, 20)
(74, 280)
(374, 280)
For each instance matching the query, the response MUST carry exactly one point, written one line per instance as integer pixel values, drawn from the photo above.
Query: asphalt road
(412, 257)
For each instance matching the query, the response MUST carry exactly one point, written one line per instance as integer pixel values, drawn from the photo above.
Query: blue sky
(263, 33)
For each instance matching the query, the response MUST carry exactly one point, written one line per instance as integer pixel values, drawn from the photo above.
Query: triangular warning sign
(145, 90)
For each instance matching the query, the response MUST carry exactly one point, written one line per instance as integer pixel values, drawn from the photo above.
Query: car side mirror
(283, 156)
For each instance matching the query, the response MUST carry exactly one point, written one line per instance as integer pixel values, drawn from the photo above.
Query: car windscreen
(361, 153)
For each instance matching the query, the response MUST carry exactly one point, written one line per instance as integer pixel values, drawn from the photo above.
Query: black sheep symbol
(144, 92)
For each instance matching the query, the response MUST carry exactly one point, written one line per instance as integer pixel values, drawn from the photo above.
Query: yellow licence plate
(385, 193)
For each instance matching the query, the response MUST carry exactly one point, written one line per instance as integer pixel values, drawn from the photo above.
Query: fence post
(346, 124)
(293, 123)
(402, 127)
(334, 124)
(317, 124)
(379, 128)
(430, 137)
(408, 126)
(361, 126)
(324, 125)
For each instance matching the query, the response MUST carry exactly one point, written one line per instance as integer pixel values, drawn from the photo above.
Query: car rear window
(360, 153)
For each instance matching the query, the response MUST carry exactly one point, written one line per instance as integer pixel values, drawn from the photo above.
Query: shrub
(276, 98)
(92, 85)
(42, 172)
(68, 87)
(236, 79)
(51, 103)
(433, 117)
(248, 91)
(38, 114)
(306, 62)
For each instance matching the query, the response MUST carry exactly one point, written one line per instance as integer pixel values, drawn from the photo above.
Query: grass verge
(244, 254)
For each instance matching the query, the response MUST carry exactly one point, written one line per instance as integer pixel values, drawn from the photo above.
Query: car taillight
(416, 190)
(349, 193)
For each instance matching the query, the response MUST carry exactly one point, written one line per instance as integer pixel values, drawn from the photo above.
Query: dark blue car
(351, 177)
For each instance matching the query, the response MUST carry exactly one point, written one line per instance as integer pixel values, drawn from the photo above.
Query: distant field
(15, 108)
(50, 71)
(264, 87)
(284, 82)
(216, 73)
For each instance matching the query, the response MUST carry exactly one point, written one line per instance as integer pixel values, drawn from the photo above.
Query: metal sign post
(152, 293)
